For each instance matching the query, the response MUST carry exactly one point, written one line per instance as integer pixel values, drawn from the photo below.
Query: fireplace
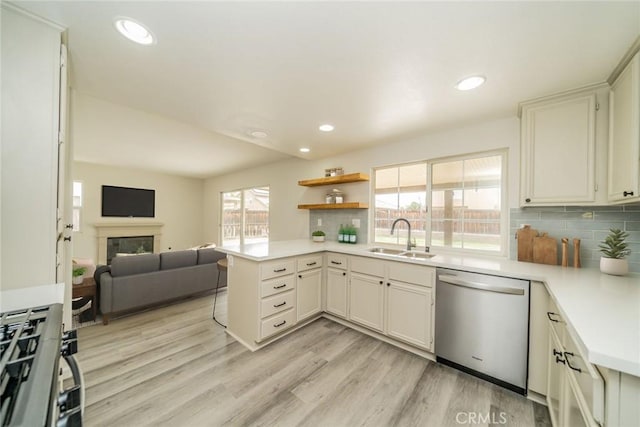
(128, 245)
(126, 237)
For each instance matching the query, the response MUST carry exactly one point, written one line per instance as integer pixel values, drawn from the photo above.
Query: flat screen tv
(128, 202)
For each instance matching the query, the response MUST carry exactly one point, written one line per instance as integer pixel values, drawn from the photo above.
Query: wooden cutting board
(525, 237)
(545, 250)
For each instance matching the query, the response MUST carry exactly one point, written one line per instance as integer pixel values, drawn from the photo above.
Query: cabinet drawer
(556, 322)
(337, 261)
(372, 267)
(277, 268)
(277, 285)
(277, 323)
(307, 263)
(590, 384)
(410, 273)
(277, 303)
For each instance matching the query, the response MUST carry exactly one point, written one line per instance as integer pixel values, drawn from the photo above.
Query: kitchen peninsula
(601, 312)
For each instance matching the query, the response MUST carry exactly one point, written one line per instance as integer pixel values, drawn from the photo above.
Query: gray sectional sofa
(138, 281)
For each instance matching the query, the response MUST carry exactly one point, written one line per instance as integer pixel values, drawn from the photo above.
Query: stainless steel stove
(31, 345)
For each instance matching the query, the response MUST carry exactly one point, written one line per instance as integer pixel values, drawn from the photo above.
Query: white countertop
(603, 311)
(34, 296)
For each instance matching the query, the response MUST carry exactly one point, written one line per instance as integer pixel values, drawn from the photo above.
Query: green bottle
(341, 234)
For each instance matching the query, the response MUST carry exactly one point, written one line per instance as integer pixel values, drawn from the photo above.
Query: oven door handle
(77, 377)
(453, 280)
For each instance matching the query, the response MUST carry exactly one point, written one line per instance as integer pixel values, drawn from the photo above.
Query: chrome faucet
(393, 226)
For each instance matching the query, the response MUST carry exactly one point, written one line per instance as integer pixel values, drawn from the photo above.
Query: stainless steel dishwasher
(482, 326)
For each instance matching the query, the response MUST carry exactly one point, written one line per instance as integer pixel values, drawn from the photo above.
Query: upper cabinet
(561, 137)
(624, 135)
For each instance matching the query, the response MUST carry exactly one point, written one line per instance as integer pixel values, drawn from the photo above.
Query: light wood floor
(174, 366)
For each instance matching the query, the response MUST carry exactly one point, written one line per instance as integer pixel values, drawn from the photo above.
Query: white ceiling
(378, 71)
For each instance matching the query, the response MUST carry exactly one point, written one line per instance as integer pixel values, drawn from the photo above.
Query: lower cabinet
(575, 388)
(366, 296)
(337, 292)
(538, 338)
(309, 293)
(395, 299)
(409, 313)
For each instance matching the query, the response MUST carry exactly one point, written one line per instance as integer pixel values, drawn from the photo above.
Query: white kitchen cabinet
(575, 388)
(538, 338)
(366, 300)
(309, 293)
(410, 313)
(558, 148)
(555, 381)
(336, 285)
(31, 72)
(624, 135)
(410, 310)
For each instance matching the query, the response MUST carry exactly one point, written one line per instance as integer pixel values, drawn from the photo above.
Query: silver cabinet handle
(453, 280)
(277, 325)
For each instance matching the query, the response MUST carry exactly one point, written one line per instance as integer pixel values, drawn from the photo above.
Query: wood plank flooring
(174, 366)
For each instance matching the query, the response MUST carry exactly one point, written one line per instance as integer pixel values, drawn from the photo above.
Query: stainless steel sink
(400, 253)
(416, 255)
(386, 251)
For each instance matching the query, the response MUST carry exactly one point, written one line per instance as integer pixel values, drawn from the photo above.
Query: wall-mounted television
(128, 202)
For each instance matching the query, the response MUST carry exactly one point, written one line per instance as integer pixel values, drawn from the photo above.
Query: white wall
(288, 222)
(179, 205)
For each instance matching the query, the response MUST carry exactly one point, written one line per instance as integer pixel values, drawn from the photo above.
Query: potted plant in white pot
(614, 250)
(318, 236)
(78, 275)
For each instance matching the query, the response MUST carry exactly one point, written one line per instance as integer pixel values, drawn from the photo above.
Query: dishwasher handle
(453, 280)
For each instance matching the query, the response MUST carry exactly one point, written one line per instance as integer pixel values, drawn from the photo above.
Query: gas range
(31, 345)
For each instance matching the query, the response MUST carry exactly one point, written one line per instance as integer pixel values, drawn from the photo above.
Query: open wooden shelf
(348, 205)
(339, 179)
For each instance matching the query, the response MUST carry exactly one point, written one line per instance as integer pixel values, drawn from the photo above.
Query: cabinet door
(366, 300)
(624, 134)
(558, 151)
(573, 415)
(555, 379)
(337, 292)
(409, 313)
(538, 338)
(309, 287)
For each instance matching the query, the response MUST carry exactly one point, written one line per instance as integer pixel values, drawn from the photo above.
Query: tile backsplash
(590, 224)
(332, 218)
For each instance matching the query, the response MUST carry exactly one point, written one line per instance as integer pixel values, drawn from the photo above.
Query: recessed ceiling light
(470, 82)
(326, 128)
(305, 150)
(134, 31)
(259, 134)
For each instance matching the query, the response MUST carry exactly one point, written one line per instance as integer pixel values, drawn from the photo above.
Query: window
(77, 204)
(454, 203)
(245, 216)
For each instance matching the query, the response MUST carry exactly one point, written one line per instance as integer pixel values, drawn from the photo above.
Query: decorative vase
(77, 280)
(318, 238)
(614, 266)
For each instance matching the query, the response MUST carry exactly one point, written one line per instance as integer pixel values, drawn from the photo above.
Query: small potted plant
(614, 249)
(318, 236)
(78, 275)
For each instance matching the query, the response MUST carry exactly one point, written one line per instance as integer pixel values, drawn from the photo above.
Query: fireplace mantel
(104, 230)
